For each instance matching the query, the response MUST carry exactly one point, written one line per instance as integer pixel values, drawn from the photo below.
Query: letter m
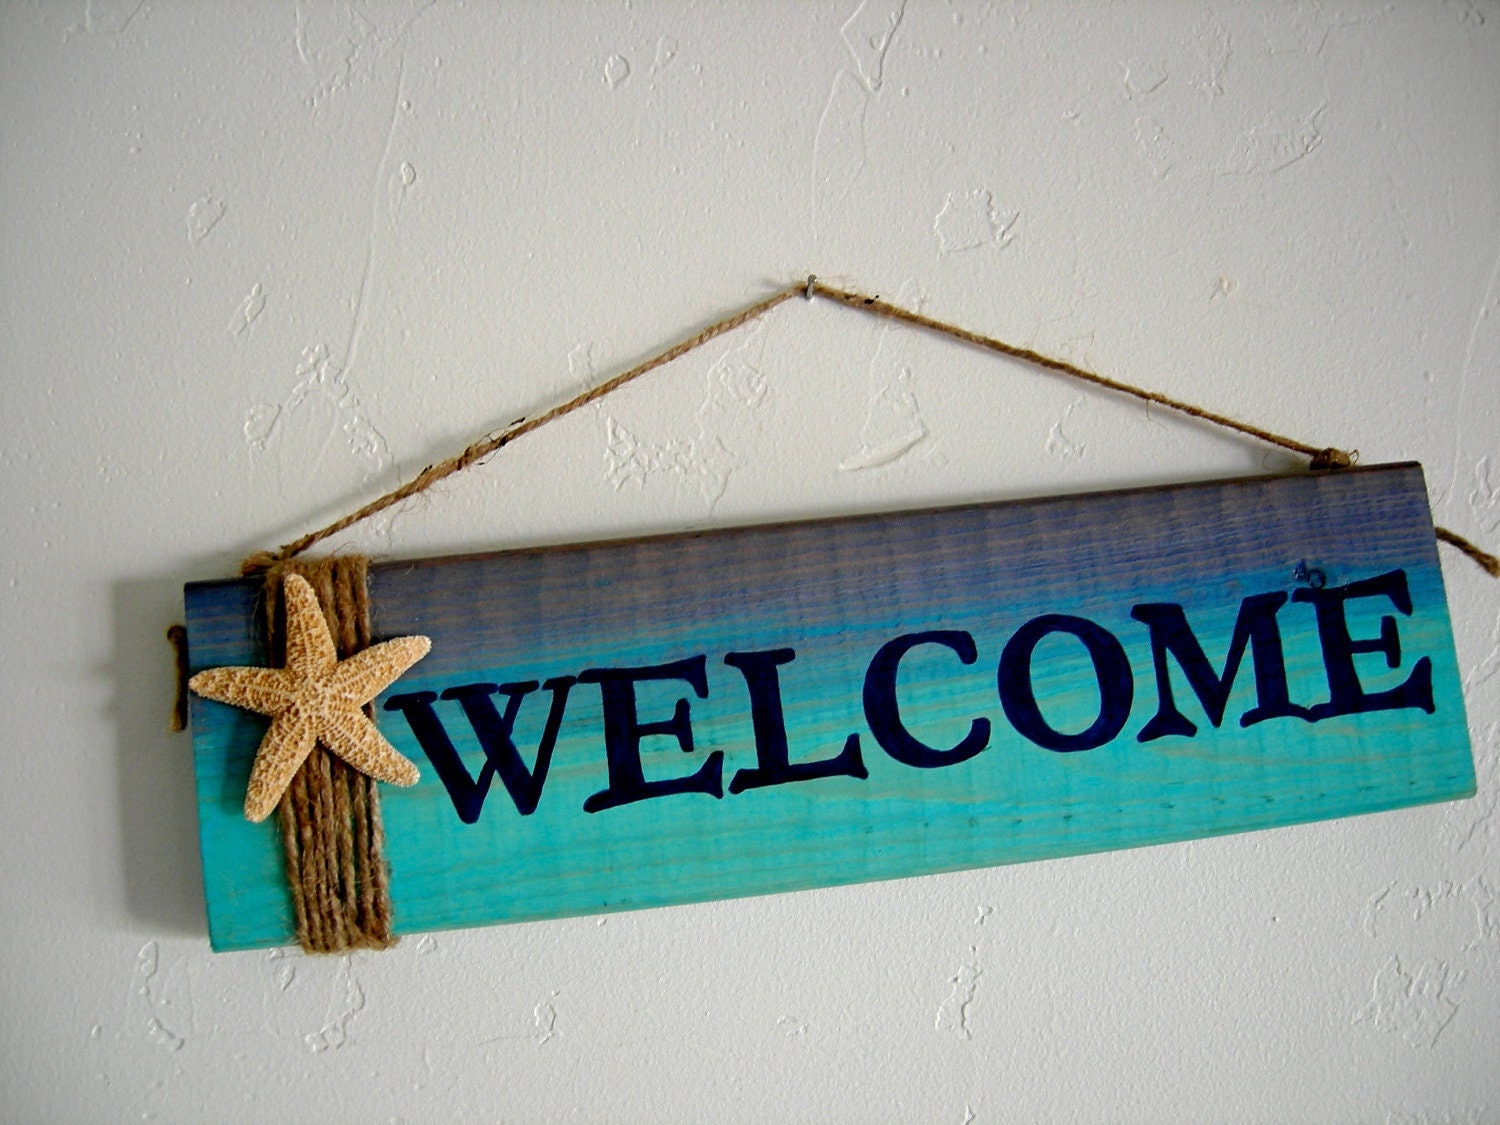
(1255, 627)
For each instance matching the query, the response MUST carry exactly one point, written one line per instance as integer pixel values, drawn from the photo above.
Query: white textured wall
(263, 260)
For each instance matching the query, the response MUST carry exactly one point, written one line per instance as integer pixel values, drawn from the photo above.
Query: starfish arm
(353, 737)
(309, 645)
(256, 689)
(369, 672)
(282, 752)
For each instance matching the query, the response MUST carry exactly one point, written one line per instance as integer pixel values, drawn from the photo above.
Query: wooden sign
(709, 715)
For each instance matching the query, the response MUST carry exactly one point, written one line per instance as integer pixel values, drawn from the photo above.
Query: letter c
(885, 720)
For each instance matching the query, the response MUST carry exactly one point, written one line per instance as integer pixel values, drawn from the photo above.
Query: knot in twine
(1327, 459)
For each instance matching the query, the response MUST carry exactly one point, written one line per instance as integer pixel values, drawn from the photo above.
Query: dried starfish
(316, 696)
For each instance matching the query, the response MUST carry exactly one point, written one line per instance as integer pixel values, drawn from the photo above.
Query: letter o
(1111, 669)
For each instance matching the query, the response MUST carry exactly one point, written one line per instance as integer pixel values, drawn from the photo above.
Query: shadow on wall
(163, 869)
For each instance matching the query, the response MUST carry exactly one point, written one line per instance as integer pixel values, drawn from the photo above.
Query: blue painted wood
(835, 592)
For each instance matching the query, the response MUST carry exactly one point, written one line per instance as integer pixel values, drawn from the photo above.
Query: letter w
(495, 734)
(1256, 627)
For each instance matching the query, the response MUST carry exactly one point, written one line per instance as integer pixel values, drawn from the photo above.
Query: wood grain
(835, 593)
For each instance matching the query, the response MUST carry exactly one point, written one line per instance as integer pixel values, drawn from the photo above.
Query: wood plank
(1022, 717)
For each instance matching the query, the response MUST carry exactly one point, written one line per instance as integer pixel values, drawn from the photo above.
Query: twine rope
(332, 838)
(1321, 458)
(1327, 458)
(490, 443)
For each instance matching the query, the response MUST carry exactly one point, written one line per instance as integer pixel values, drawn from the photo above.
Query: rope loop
(1321, 459)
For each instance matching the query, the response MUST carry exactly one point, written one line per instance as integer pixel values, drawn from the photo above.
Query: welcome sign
(709, 715)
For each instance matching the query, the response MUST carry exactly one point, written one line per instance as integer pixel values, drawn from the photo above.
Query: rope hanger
(1319, 458)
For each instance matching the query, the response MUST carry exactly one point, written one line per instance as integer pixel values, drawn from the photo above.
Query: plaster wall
(261, 262)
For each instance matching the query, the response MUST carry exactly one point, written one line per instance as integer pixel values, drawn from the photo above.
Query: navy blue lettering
(1111, 669)
(884, 718)
(1346, 695)
(1255, 627)
(623, 731)
(494, 732)
(772, 766)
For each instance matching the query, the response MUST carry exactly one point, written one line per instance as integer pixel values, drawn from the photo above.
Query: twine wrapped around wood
(331, 833)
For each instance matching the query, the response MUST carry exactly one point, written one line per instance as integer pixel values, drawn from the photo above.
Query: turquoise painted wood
(769, 709)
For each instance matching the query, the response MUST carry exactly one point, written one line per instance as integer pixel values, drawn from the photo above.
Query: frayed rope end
(177, 637)
(1489, 562)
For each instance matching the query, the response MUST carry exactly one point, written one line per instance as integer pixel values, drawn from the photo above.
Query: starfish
(316, 696)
